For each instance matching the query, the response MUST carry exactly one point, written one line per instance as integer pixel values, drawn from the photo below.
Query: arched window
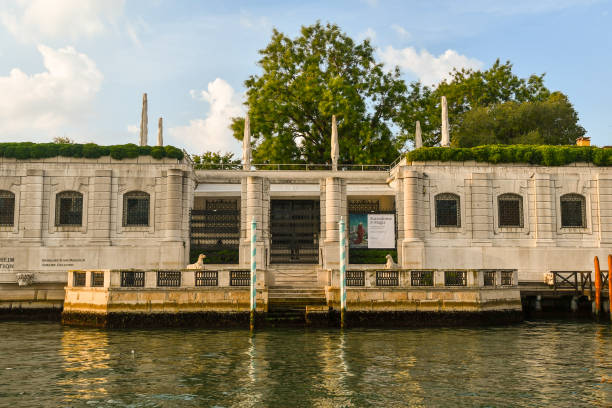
(573, 211)
(448, 210)
(7, 208)
(136, 209)
(69, 208)
(510, 210)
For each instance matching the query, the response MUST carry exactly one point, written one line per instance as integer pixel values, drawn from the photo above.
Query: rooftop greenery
(544, 155)
(29, 150)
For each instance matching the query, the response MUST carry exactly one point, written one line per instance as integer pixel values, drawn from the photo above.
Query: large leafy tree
(306, 80)
(494, 106)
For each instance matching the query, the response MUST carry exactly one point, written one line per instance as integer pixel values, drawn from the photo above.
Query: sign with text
(381, 231)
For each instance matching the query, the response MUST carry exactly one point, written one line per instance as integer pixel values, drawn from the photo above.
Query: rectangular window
(7, 208)
(510, 211)
(69, 209)
(572, 213)
(447, 212)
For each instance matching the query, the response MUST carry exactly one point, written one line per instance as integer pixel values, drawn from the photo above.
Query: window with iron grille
(136, 209)
(506, 278)
(7, 208)
(97, 278)
(132, 279)
(69, 208)
(448, 210)
(169, 278)
(510, 210)
(215, 231)
(240, 278)
(355, 278)
(363, 206)
(573, 211)
(455, 278)
(489, 278)
(78, 278)
(387, 278)
(206, 278)
(421, 278)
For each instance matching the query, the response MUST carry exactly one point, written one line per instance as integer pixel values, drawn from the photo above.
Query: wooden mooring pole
(342, 231)
(597, 287)
(253, 273)
(610, 286)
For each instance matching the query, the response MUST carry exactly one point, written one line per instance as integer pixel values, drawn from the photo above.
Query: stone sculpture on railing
(199, 264)
(391, 263)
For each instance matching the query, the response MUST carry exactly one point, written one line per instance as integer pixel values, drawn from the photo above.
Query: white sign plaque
(381, 230)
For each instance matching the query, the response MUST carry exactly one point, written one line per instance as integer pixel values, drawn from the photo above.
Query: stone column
(174, 204)
(604, 198)
(411, 253)
(544, 206)
(31, 208)
(333, 212)
(102, 207)
(254, 209)
(482, 208)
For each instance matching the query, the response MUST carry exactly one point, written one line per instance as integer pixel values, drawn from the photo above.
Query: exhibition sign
(372, 231)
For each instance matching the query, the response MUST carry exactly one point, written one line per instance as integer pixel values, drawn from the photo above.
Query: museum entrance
(294, 227)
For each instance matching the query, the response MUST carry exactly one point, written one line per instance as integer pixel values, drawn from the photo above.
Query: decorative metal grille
(510, 209)
(455, 278)
(421, 278)
(169, 278)
(573, 211)
(206, 278)
(215, 231)
(294, 228)
(489, 278)
(69, 208)
(355, 278)
(97, 279)
(136, 209)
(78, 278)
(7, 208)
(240, 278)
(387, 278)
(448, 210)
(132, 279)
(506, 278)
(363, 206)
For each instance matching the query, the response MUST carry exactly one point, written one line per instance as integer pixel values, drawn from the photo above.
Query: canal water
(539, 363)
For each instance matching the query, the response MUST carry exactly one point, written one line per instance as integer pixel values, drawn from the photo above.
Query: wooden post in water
(342, 271)
(253, 272)
(597, 287)
(610, 285)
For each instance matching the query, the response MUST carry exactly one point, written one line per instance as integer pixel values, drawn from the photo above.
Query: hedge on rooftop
(29, 150)
(544, 155)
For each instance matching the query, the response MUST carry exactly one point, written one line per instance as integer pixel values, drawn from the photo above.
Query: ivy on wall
(29, 150)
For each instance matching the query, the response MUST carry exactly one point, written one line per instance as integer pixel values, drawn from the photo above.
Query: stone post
(102, 207)
(333, 212)
(445, 141)
(174, 201)
(31, 208)
(254, 211)
(412, 243)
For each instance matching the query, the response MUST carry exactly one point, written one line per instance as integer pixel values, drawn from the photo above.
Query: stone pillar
(254, 209)
(411, 253)
(482, 208)
(31, 207)
(544, 206)
(604, 198)
(174, 205)
(333, 211)
(102, 207)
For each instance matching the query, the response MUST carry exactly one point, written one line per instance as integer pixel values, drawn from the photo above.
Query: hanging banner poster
(358, 231)
(381, 230)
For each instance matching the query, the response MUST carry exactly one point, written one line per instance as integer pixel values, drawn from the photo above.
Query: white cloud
(46, 19)
(212, 133)
(134, 129)
(48, 100)
(369, 34)
(401, 32)
(428, 68)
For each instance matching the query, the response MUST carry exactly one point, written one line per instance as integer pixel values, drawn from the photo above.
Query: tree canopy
(306, 80)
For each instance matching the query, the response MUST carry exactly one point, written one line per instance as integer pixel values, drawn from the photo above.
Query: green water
(552, 363)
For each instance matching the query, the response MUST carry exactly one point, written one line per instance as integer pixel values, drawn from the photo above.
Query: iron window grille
(573, 208)
(355, 278)
(455, 278)
(448, 210)
(206, 278)
(421, 278)
(132, 279)
(387, 278)
(69, 209)
(168, 278)
(363, 206)
(489, 278)
(510, 210)
(215, 231)
(506, 278)
(240, 278)
(136, 209)
(7, 208)
(97, 279)
(78, 278)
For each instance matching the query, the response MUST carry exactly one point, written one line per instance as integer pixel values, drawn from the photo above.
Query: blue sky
(78, 68)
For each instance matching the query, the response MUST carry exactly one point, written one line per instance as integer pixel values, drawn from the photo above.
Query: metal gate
(215, 232)
(294, 229)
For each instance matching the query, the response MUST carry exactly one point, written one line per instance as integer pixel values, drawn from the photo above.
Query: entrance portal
(294, 229)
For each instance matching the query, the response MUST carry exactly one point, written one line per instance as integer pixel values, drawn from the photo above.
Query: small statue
(390, 263)
(199, 264)
(549, 278)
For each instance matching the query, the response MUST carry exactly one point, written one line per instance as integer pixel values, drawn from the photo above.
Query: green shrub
(29, 150)
(370, 256)
(532, 154)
